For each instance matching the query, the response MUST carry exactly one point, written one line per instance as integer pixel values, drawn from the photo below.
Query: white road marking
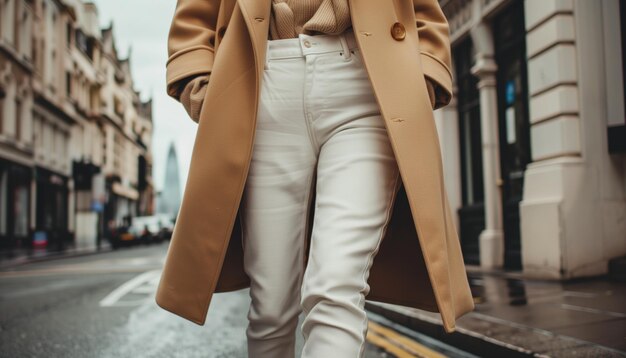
(113, 298)
(143, 289)
(591, 310)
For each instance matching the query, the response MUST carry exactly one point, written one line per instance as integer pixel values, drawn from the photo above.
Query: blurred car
(167, 226)
(151, 229)
(120, 236)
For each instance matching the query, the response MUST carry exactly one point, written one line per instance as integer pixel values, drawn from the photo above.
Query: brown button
(398, 32)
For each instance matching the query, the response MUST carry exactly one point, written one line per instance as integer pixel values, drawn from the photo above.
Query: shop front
(51, 226)
(15, 191)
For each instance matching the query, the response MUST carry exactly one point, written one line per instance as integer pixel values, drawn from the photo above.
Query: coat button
(398, 32)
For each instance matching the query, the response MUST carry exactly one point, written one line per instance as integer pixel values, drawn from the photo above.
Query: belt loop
(266, 65)
(344, 45)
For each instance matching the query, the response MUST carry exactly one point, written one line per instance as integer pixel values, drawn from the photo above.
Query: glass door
(472, 212)
(513, 122)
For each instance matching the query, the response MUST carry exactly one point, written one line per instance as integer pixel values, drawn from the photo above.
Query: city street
(103, 305)
(506, 119)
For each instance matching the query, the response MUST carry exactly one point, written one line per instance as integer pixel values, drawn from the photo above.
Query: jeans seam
(390, 202)
(306, 229)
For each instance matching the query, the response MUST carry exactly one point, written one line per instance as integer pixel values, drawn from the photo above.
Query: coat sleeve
(435, 52)
(190, 43)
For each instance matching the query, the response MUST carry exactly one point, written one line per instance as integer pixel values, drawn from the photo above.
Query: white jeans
(318, 118)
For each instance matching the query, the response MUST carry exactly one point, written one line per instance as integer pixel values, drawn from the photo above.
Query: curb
(427, 323)
(487, 336)
(24, 259)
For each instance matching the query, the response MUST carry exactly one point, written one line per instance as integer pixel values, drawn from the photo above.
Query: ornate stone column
(491, 239)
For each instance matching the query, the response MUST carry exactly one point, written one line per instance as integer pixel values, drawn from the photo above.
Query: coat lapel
(257, 17)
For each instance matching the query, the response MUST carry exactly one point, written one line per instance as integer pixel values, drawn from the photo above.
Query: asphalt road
(102, 305)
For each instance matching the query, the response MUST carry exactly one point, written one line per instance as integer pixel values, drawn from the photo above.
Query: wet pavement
(515, 316)
(589, 310)
(102, 305)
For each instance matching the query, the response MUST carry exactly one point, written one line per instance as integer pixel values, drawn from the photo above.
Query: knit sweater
(289, 18)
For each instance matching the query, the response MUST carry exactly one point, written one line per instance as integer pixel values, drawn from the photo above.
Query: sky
(141, 27)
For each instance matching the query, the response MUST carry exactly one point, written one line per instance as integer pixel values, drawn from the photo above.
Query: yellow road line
(389, 347)
(391, 341)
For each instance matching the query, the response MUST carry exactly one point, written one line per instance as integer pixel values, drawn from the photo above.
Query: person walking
(301, 178)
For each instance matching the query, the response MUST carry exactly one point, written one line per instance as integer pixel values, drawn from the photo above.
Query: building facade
(534, 141)
(59, 134)
(127, 140)
(16, 130)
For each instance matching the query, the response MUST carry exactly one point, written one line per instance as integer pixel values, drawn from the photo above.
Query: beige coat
(419, 263)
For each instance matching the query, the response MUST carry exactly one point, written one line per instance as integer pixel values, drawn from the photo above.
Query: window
(21, 208)
(118, 107)
(622, 15)
(8, 20)
(469, 126)
(68, 33)
(472, 212)
(616, 130)
(3, 203)
(23, 39)
(18, 117)
(2, 95)
(84, 43)
(513, 122)
(93, 98)
(68, 84)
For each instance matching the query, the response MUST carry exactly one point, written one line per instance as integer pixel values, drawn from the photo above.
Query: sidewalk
(26, 258)
(584, 317)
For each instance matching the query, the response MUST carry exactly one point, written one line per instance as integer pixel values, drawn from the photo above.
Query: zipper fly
(305, 107)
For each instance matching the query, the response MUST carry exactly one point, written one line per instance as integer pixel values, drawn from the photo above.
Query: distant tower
(169, 199)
